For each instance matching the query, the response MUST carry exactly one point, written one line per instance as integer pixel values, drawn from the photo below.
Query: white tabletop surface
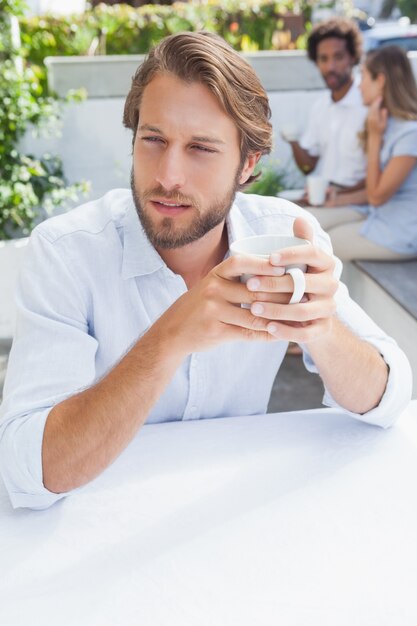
(294, 519)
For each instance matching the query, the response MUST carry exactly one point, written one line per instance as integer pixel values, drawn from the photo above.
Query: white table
(294, 519)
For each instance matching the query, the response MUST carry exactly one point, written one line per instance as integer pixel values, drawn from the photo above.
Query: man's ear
(249, 166)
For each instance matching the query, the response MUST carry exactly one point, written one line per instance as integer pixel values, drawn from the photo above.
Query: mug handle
(299, 280)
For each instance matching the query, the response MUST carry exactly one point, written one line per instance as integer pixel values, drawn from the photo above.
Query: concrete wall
(56, 7)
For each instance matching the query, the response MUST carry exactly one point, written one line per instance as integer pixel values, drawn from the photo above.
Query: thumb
(303, 229)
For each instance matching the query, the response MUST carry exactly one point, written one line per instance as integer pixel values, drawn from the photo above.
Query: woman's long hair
(400, 89)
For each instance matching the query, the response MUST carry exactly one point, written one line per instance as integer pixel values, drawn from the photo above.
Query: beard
(341, 80)
(168, 234)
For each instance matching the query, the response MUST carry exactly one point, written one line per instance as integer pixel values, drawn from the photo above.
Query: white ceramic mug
(316, 190)
(290, 132)
(263, 246)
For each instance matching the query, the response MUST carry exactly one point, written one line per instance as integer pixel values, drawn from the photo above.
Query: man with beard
(330, 145)
(129, 307)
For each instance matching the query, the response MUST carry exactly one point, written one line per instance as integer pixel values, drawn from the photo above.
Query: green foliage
(27, 185)
(408, 8)
(270, 182)
(122, 29)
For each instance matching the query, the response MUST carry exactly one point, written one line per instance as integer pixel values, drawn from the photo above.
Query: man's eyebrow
(206, 139)
(153, 129)
(200, 138)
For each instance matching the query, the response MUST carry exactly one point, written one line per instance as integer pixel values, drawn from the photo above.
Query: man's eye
(203, 149)
(151, 139)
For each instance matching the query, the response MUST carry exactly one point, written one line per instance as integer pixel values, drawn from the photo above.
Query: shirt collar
(351, 99)
(139, 255)
(237, 226)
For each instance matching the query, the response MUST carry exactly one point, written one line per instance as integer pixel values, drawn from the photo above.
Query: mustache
(174, 196)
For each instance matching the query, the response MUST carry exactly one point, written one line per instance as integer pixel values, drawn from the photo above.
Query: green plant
(408, 8)
(248, 25)
(28, 185)
(270, 182)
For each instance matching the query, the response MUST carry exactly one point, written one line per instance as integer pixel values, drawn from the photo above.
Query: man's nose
(171, 172)
(331, 65)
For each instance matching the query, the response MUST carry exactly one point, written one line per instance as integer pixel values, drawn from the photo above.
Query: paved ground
(294, 389)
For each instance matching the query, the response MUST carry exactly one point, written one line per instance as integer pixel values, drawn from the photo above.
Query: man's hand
(313, 317)
(304, 160)
(303, 200)
(210, 313)
(332, 194)
(330, 199)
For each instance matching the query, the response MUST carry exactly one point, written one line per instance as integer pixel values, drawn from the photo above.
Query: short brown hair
(338, 28)
(206, 58)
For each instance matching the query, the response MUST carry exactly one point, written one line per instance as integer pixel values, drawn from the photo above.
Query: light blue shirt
(92, 284)
(393, 224)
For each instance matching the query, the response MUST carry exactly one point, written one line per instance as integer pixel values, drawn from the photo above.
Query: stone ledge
(397, 278)
(110, 76)
(382, 305)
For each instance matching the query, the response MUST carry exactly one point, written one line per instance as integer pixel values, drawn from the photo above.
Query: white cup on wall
(290, 132)
(316, 189)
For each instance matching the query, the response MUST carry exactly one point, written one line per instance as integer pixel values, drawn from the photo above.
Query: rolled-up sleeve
(53, 355)
(399, 386)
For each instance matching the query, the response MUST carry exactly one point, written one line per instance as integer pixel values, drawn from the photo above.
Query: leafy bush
(408, 8)
(271, 181)
(27, 185)
(122, 29)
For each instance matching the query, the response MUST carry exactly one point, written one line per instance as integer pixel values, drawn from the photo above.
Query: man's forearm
(86, 432)
(304, 160)
(352, 370)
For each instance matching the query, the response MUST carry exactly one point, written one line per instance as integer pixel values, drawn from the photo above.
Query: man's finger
(303, 229)
(240, 264)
